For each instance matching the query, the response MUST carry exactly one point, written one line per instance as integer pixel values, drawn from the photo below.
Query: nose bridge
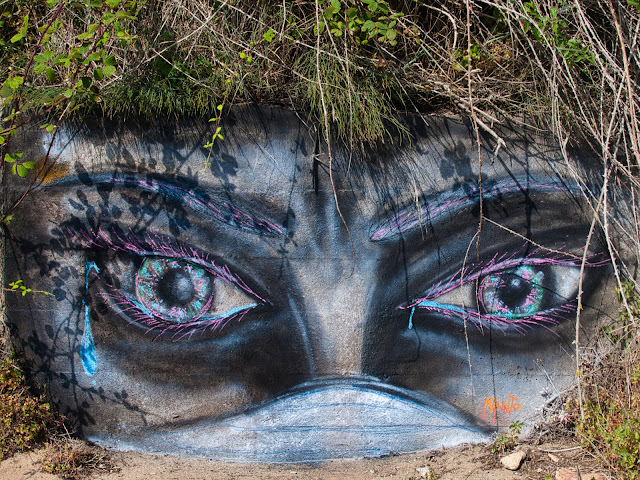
(335, 304)
(333, 283)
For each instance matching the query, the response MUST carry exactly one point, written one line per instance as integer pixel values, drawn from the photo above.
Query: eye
(167, 289)
(508, 293)
(176, 297)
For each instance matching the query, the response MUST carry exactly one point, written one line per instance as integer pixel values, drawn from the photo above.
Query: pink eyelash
(545, 319)
(154, 244)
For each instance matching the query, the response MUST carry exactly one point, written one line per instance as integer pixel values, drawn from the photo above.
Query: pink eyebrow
(414, 216)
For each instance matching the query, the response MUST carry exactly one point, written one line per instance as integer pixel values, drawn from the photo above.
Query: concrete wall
(225, 310)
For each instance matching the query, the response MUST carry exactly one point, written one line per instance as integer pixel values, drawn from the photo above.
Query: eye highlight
(509, 292)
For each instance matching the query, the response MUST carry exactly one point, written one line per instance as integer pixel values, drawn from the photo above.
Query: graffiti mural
(243, 306)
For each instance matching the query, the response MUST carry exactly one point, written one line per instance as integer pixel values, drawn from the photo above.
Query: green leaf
(97, 74)
(50, 74)
(93, 57)
(68, 93)
(368, 25)
(269, 35)
(109, 70)
(29, 165)
(109, 60)
(219, 108)
(23, 30)
(39, 68)
(108, 18)
(44, 56)
(330, 11)
(120, 15)
(243, 55)
(114, 3)
(62, 60)
(9, 158)
(86, 81)
(14, 83)
(22, 171)
(85, 36)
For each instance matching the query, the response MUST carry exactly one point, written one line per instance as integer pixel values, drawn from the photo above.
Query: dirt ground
(472, 462)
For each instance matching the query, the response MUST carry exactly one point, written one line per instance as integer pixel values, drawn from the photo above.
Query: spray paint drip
(87, 345)
(413, 309)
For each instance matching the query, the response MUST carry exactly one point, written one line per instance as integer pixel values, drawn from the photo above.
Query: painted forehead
(278, 159)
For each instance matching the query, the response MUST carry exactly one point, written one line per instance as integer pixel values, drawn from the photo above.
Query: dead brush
(72, 459)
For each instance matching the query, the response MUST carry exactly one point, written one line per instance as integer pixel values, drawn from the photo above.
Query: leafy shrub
(24, 419)
(611, 427)
(608, 423)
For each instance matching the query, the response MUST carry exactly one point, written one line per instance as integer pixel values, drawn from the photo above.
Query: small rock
(425, 472)
(554, 458)
(513, 461)
(572, 474)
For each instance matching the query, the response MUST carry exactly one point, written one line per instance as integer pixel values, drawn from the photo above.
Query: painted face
(242, 306)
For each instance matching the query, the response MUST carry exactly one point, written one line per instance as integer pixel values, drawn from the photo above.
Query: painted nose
(335, 419)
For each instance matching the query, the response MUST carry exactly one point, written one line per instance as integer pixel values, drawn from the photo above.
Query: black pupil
(514, 290)
(176, 288)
